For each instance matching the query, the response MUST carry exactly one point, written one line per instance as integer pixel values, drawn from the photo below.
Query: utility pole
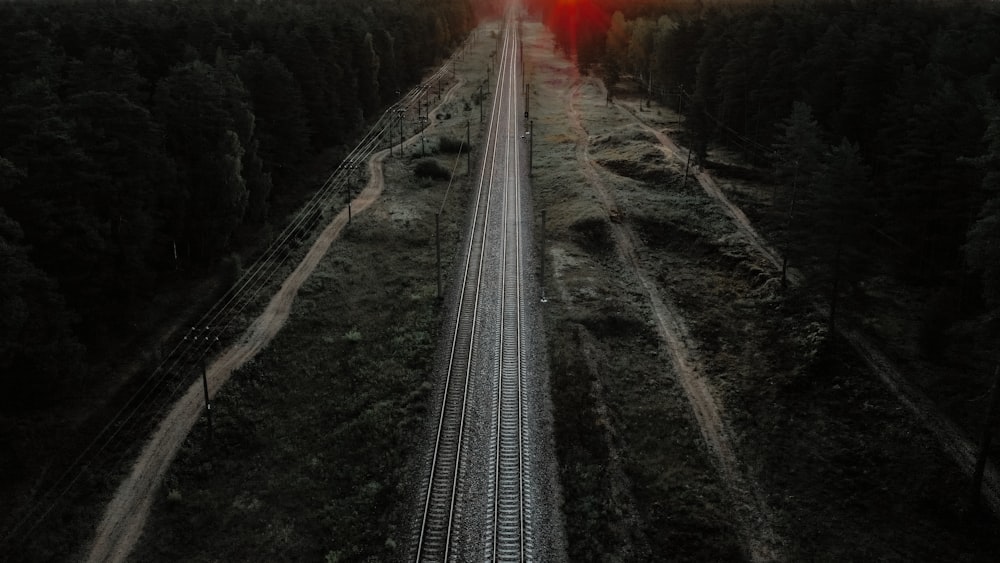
(401, 111)
(468, 150)
(423, 125)
(208, 402)
(527, 101)
(541, 256)
(687, 166)
(531, 147)
(437, 241)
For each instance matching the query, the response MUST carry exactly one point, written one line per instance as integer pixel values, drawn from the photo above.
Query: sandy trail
(755, 528)
(671, 151)
(949, 436)
(126, 514)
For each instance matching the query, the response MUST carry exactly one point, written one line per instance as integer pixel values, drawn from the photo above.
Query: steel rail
(508, 527)
(437, 525)
(200, 339)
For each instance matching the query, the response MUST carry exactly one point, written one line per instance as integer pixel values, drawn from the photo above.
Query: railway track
(508, 482)
(486, 352)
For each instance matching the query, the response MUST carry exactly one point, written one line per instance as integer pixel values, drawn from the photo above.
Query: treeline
(137, 138)
(879, 118)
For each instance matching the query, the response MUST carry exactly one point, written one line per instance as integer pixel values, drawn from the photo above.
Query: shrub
(451, 145)
(430, 168)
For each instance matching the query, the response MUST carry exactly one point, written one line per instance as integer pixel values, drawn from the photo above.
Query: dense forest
(879, 119)
(137, 139)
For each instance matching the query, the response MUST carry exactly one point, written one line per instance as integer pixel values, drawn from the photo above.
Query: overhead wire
(213, 325)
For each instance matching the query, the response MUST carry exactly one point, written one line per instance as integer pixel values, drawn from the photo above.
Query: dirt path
(952, 440)
(755, 528)
(671, 151)
(126, 514)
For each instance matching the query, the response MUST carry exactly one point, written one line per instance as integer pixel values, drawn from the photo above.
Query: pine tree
(798, 148)
(838, 219)
(982, 248)
(39, 355)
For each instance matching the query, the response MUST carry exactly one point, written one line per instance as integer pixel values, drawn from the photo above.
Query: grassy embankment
(846, 472)
(314, 452)
(849, 468)
(637, 481)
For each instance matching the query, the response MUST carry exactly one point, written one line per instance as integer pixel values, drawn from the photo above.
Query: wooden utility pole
(208, 402)
(350, 188)
(527, 100)
(687, 167)
(541, 256)
(531, 146)
(437, 241)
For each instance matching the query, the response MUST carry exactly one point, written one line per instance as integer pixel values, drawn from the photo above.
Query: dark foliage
(430, 168)
(452, 145)
(874, 114)
(137, 138)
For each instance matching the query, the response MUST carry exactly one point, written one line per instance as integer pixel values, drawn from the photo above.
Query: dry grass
(637, 480)
(313, 453)
(847, 475)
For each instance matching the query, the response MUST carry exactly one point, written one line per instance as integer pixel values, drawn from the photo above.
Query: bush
(451, 145)
(430, 168)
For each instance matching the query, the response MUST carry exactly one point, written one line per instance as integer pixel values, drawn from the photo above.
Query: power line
(213, 326)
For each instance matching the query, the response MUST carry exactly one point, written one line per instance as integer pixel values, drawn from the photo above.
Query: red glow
(576, 20)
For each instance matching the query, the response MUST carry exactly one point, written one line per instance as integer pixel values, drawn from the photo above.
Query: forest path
(950, 437)
(754, 517)
(126, 514)
(671, 151)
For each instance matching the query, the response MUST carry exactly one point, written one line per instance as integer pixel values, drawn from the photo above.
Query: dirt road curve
(952, 440)
(755, 528)
(126, 514)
